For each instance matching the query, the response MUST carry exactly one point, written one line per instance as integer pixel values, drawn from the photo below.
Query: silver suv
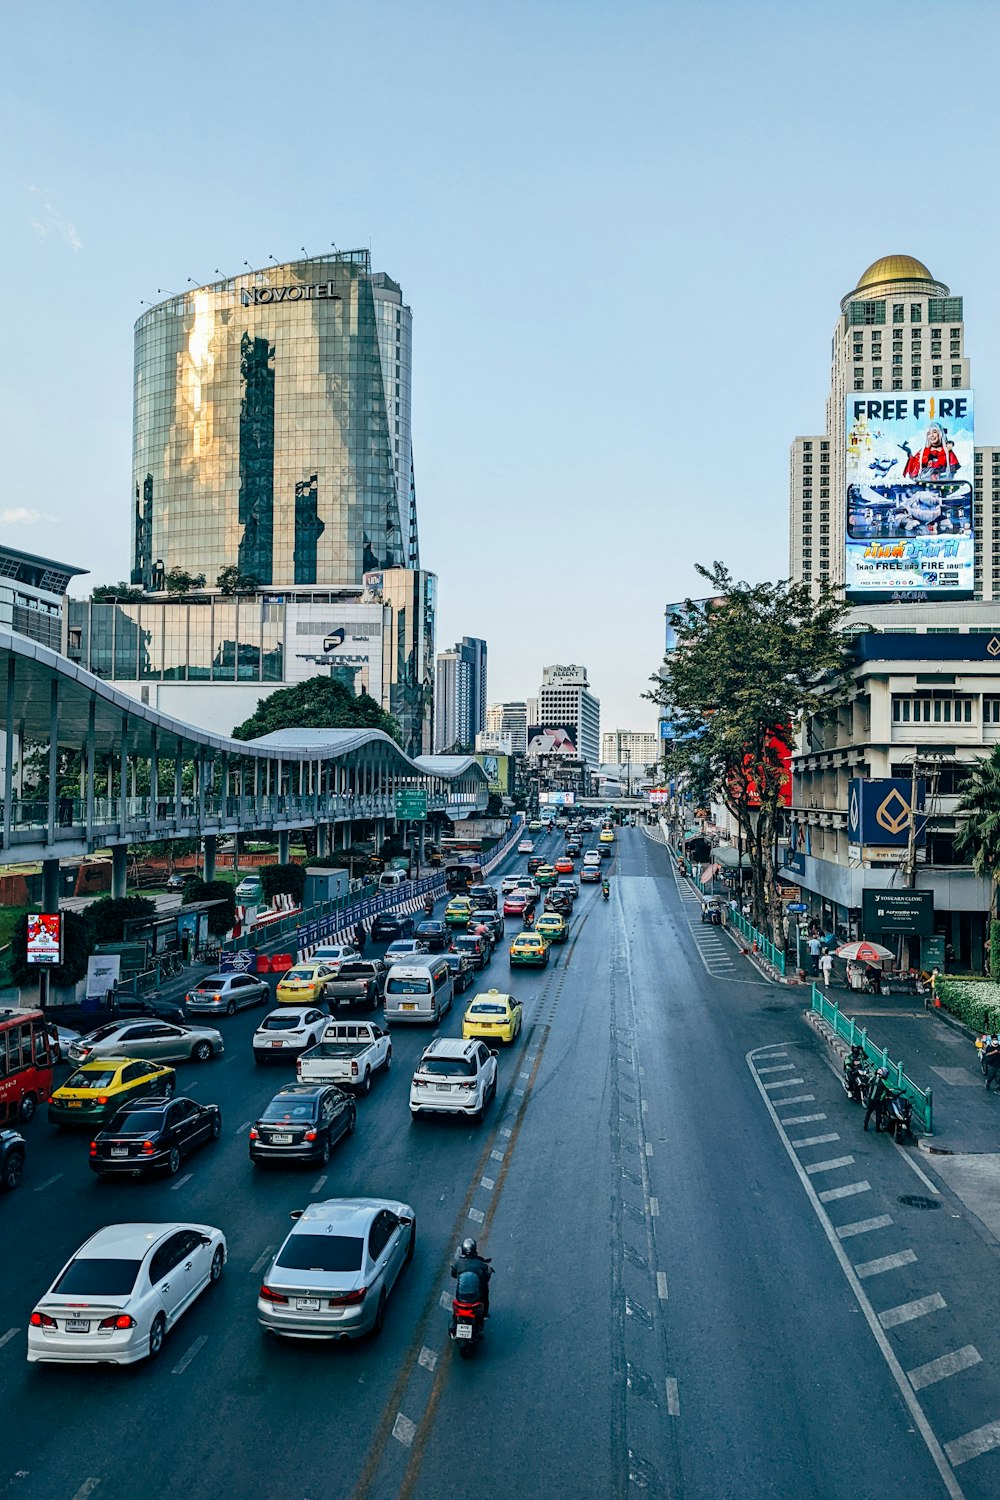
(454, 1077)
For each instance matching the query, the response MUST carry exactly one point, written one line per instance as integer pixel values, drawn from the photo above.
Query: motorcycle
(856, 1080)
(898, 1111)
(468, 1313)
(606, 892)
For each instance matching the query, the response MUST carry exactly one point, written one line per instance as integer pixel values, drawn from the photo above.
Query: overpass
(139, 775)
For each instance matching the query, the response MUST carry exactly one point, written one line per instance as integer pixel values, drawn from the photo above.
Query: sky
(624, 230)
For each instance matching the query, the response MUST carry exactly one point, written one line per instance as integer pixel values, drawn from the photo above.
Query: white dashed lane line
(941, 1368)
(906, 1312)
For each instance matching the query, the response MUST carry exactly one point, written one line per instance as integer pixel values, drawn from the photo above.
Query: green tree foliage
(178, 581)
(78, 944)
(220, 918)
(745, 672)
(232, 581)
(317, 703)
(110, 913)
(117, 593)
(978, 836)
(283, 880)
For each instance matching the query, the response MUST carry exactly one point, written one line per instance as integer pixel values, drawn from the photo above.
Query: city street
(709, 1283)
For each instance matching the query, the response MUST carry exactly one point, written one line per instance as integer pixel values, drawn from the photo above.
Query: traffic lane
(387, 1157)
(758, 1323)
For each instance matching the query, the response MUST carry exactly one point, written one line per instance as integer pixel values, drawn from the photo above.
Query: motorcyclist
(854, 1062)
(605, 889)
(428, 906)
(469, 1259)
(878, 1096)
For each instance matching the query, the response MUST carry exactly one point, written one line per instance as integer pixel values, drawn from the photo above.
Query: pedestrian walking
(991, 1061)
(815, 949)
(826, 968)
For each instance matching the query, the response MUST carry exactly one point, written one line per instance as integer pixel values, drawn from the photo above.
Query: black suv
(302, 1123)
(434, 935)
(389, 925)
(12, 1149)
(482, 896)
(153, 1135)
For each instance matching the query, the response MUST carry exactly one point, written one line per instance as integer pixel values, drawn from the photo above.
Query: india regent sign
(261, 296)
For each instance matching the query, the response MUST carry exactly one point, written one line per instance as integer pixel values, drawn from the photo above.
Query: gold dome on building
(894, 268)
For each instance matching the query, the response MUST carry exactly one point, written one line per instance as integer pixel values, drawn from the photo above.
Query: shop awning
(729, 858)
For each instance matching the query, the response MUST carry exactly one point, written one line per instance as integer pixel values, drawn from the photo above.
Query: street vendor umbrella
(866, 953)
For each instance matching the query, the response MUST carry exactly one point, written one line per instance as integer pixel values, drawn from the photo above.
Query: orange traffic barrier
(280, 962)
(263, 963)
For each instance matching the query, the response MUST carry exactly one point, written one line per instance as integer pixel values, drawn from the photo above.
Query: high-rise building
(460, 694)
(565, 702)
(629, 747)
(272, 429)
(508, 719)
(899, 330)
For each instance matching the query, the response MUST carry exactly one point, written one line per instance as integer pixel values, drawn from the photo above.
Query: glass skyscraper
(272, 428)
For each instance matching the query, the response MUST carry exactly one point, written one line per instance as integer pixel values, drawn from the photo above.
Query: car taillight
(354, 1070)
(42, 1320)
(268, 1294)
(253, 1134)
(310, 1135)
(350, 1299)
(121, 1321)
(102, 1098)
(148, 1148)
(93, 1148)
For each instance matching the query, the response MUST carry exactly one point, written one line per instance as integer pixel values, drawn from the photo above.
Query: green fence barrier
(845, 1027)
(774, 955)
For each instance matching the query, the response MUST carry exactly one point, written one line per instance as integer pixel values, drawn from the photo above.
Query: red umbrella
(865, 952)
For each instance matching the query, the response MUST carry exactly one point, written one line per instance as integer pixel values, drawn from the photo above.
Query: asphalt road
(674, 1311)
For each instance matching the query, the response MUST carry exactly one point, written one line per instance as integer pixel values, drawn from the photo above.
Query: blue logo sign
(879, 813)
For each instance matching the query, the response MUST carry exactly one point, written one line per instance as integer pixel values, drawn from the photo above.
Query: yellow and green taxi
(98, 1089)
(529, 950)
(546, 875)
(492, 1014)
(304, 985)
(458, 912)
(535, 826)
(552, 927)
(606, 836)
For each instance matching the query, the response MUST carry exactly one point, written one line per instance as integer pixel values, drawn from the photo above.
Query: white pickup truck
(348, 1055)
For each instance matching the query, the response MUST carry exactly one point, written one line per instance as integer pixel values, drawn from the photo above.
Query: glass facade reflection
(272, 433)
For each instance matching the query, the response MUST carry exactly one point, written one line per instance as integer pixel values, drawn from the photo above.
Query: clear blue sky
(624, 229)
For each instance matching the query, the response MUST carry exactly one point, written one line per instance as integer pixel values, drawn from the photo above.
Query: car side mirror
(296, 1213)
(405, 1219)
(494, 1053)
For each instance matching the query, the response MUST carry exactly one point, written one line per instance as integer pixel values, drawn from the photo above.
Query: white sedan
(526, 846)
(117, 1298)
(288, 1032)
(508, 883)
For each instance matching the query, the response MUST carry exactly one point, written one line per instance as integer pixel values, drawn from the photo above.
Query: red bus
(25, 1064)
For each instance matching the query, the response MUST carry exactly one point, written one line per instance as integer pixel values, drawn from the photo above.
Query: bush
(111, 913)
(220, 918)
(976, 1002)
(995, 948)
(283, 880)
(78, 944)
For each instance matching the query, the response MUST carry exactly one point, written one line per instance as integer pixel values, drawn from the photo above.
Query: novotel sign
(260, 296)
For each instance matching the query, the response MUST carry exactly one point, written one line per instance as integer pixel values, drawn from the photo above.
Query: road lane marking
(181, 1181)
(960, 1450)
(477, 1215)
(427, 1358)
(488, 1183)
(319, 1184)
(779, 1068)
(41, 1189)
(785, 1083)
(446, 1300)
(649, 1148)
(240, 1128)
(799, 1099)
(848, 1191)
(673, 1399)
(945, 1365)
(815, 1140)
(654, 1208)
(8, 1336)
(661, 1285)
(186, 1359)
(87, 1488)
(864, 1226)
(876, 1323)
(907, 1311)
(834, 1164)
(885, 1263)
(505, 1131)
(403, 1430)
(496, 1156)
(262, 1261)
(921, 1174)
(801, 1119)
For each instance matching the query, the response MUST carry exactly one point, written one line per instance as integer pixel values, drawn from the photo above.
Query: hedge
(976, 1002)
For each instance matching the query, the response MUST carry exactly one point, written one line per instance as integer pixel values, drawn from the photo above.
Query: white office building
(566, 702)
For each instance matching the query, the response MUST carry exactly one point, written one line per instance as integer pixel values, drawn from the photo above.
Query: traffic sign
(411, 806)
(797, 906)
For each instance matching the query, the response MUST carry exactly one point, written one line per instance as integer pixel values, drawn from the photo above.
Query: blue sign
(879, 814)
(242, 962)
(797, 906)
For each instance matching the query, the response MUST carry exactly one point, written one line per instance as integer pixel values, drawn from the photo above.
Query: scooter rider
(469, 1259)
(878, 1095)
(605, 889)
(854, 1062)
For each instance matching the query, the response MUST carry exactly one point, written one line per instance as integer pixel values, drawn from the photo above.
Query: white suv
(454, 1077)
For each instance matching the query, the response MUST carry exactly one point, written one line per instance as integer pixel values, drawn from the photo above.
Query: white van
(418, 992)
(390, 879)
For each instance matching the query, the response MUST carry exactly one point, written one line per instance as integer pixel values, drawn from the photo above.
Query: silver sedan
(161, 1041)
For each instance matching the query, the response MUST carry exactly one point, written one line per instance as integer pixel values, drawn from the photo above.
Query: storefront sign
(909, 912)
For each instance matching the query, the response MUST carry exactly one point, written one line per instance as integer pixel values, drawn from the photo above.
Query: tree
(78, 944)
(317, 703)
(116, 593)
(110, 914)
(232, 581)
(220, 918)
(178, 581)
(978, 835)
(745, 672)
(283, 880)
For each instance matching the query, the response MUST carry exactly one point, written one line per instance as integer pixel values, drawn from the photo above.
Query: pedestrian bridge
(115, 771)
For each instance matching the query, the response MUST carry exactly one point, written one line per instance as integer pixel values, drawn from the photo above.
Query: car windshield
(98, 1278)
(281, 1022)
(136, 1122)
(91, 1078)
(285, 1109)
(489, 1008)
(448, 1067)
(397, 986)
(212, 985)
(321, 1252)
(300, 974)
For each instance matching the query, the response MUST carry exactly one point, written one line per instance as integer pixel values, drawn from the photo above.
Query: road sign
(897, 911)
(411, 806)
(797, 906)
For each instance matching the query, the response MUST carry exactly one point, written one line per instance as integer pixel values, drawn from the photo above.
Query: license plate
(277, 1044)
(443, 1088)
(408, 1005)
(77, 1325)
(281, 1140)
(74, 1103)
(307, 1304)
(463, 1331)
(119, 1151)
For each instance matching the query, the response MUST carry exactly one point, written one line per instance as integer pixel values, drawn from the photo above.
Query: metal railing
(847, 1029)
(774, 955)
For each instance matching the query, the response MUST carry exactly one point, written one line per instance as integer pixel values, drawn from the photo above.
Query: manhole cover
(914, 1200)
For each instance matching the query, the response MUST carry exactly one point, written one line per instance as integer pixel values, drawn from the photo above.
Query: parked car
(154, 1135)
(115, 1300)
(225, 994)
(160, 1040)
(175, 882)
(454, 1077)
(302, 1123)
(333, 1275)
(389, 925)
(12, 1150)
(288, 1032)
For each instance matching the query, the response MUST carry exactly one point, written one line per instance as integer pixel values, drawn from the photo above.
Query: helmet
(469, 1247)
(882, 1073)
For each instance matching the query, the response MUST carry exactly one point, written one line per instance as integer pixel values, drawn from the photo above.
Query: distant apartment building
(566, 702)
(460, 694)
(624, 747)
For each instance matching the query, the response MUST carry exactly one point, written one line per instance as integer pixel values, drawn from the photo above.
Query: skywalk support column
(50, 885)
(8, 770)
(210, 847)
(322, 840)
(283, 846)
(119, 869)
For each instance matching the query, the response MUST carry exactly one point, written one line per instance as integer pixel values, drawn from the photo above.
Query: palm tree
(979, 835)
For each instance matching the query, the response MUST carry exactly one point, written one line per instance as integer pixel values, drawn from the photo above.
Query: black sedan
(463, 970)
(535, 863)
(434, 935)
(560, 901)
(389, 925)
(125, 1007)
(302, 1123)
(153, 1135)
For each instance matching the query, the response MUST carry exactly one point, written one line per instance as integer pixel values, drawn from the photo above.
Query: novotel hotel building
(271, 428)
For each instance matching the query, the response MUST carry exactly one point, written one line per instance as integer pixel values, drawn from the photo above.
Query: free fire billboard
(909, 474)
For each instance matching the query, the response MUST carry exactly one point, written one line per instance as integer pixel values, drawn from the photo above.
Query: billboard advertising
(909, 912)
(879, 816)
(558, 799)
(44, 938)
(496, 769)
(909, 475)
(547, 739)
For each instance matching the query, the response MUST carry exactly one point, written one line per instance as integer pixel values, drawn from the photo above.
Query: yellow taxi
(458, 911)
(552, 927)
(304, 985)
(98, 1089)
(546, 875)
(492, 1014)
(530, 950)
(606, 836)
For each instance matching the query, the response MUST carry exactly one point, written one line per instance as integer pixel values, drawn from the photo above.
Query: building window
(859, 385)
(956, 383)
(897, 359)
(956, 369)
(932, 710)
(936, 370)
(936, 384)
(945, 310)
(897, 385)
(991, 710)
(859, 373)
(915, 313)
(898, 311)
(865, 312)
(876, 385)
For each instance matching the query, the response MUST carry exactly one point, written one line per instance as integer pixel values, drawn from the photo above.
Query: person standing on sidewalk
(826, 969)
(991, 1061)
(815, 949)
